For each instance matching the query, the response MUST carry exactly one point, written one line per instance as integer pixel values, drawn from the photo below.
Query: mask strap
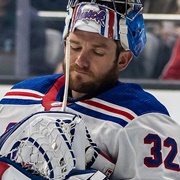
(67, 57)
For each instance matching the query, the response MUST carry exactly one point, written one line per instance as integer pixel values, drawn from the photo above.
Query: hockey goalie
(85, 124)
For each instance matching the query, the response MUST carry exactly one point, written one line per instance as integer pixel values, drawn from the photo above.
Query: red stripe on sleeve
(23, 94)
(110, 109)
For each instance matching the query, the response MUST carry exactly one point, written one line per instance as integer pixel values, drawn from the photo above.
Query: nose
(82, 59)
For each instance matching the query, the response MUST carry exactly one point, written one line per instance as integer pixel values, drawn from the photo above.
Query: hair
(119, 49)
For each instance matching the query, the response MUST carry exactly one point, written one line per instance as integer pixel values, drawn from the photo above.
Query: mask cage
(123, 9)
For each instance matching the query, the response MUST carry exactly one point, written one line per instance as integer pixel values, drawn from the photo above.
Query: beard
(96, 83)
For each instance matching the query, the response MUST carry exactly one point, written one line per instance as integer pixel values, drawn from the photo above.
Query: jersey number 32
(156, 151)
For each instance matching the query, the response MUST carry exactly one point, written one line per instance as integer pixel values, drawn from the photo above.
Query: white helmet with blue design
(116, 19)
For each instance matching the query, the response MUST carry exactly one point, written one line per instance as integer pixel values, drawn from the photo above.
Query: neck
(77, 95)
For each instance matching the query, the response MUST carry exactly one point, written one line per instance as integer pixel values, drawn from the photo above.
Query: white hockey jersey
(128, 124)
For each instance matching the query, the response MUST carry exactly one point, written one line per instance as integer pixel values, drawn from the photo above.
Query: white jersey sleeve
(148, 148)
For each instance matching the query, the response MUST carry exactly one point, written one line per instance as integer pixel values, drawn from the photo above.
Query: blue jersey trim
(19, 101)
(41, 84)
(98, 115)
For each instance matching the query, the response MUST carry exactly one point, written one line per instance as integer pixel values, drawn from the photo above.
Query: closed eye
(76, 48)
(99, 53)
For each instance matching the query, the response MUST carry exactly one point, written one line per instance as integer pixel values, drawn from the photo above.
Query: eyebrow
(100, 45)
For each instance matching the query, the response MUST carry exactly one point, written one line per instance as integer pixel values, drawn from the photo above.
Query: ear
(125, 58)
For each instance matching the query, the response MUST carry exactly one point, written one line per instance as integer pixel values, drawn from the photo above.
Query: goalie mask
(115, 19)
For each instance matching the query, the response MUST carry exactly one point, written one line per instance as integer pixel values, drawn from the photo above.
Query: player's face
(92, 63)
